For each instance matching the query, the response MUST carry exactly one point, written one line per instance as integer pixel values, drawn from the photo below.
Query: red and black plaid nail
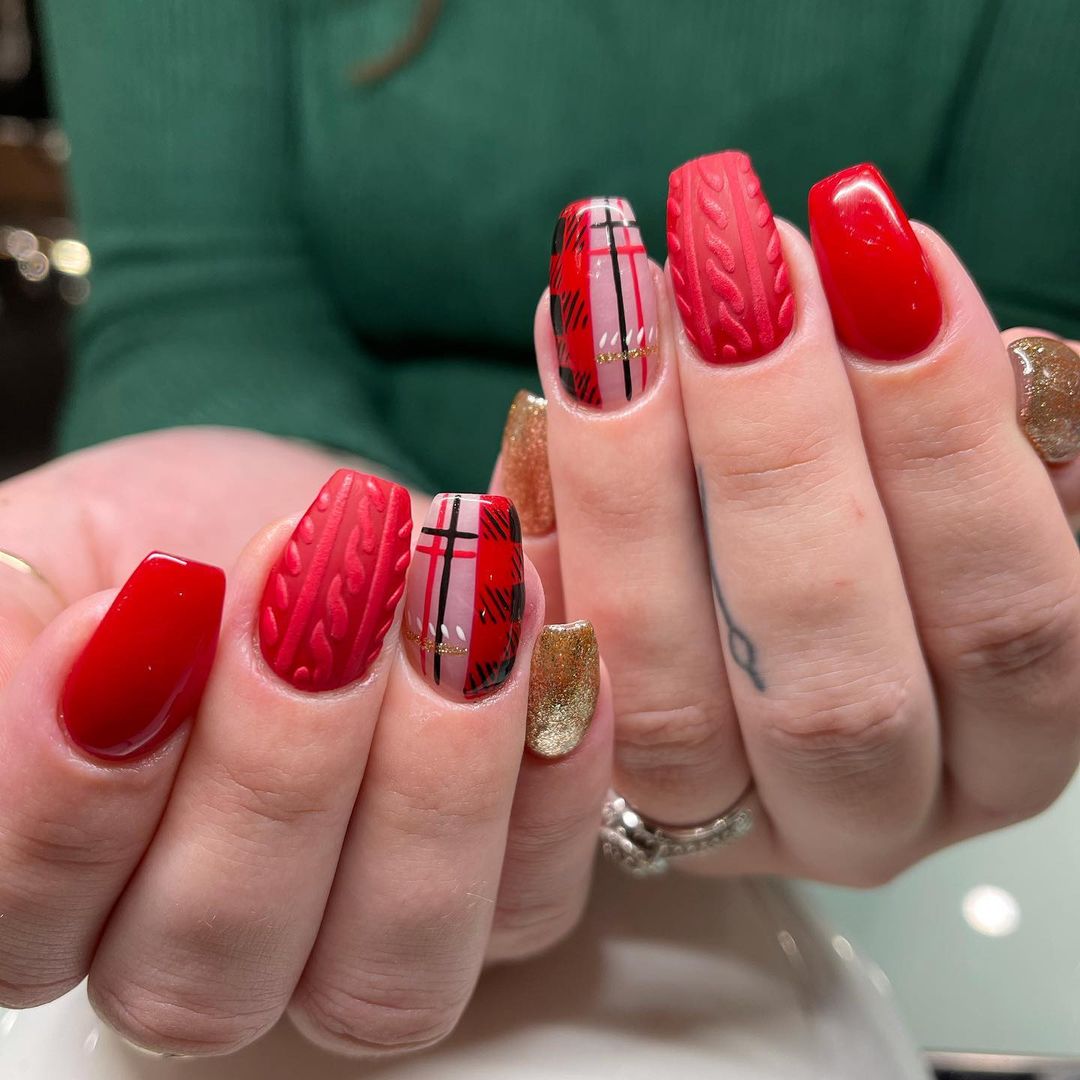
(603, 303)
(466, 594)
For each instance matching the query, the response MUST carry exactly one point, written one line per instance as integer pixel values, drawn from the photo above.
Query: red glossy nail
(726, 260)
(332, 594)
(884, 300)
(143, 672)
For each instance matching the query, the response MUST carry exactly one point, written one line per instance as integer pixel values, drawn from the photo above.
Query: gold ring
(29, 571)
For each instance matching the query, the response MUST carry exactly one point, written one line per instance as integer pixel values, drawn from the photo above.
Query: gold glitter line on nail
(627, 354)
(427, 645)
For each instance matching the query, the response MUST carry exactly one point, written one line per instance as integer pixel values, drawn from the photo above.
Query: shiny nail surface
(1048, 379)
(726, 261)
(563, 688)
(603, 303)
(526, 477)
(142, 673)
(466, 594)
(884, 300)
(333, 592)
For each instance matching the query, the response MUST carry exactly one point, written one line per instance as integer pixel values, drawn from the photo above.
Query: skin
(325, 855)
(354, 858)
(877, 623)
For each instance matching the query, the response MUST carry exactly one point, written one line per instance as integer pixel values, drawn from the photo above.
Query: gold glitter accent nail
(1048, 378)
(525, 475)
(563, 688)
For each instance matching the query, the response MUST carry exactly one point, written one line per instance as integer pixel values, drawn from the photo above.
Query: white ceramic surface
(666, 978)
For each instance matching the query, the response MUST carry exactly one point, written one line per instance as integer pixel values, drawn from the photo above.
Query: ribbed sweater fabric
(278, 247)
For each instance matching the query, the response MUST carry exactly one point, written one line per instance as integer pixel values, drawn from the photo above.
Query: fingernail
(726, 260)
(1048, 378)
(332, 594)
(884, 300)
(466, 594)
(143, 672)
(526, 477)
(563, 687)
(603, 303)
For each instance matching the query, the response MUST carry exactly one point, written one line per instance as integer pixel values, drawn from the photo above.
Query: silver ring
(641, 846)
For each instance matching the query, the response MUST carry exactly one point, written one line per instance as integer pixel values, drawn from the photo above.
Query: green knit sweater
(281, 247)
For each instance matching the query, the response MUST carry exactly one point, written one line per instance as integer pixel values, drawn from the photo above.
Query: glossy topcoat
(142, 673)
(884, 300)
(603, 303)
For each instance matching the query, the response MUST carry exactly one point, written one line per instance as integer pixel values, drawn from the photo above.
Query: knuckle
(963, 443)
(169, 1019)
(426, 807)
(65, 845)
(681, 740)
(27, 993)
(843, 729)
(526, 927)
(773, 472)
(1030, 637)
(271, 794)
(385, 1017)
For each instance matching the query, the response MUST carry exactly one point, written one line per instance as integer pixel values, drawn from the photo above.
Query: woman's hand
(823, 562)
(343, 830)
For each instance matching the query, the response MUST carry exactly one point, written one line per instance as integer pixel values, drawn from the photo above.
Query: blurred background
(43, 265)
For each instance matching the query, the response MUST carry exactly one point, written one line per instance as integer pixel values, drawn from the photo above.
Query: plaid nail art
(466, 594)
(603, 304)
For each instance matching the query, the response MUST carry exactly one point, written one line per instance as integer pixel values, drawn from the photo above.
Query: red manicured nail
(143, 672)
(884, 300)
(726, 261)
(332, 594)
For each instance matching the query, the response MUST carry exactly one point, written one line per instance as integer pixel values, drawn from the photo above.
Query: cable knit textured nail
(726, 260)
(603, 303)
(884, 300)
(332, 594)
(466, 594)
(143, 672)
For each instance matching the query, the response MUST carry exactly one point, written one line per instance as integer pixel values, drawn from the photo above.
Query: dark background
(33, 314)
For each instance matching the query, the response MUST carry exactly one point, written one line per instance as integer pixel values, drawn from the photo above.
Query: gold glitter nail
(525, 475)
(563, 687)
(1048, 378)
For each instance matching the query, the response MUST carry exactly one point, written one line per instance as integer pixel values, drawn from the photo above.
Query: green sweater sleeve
(206, 306)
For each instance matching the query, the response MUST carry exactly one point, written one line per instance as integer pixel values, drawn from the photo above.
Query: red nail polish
(884, 300)
(143, 672)
(726, 260)
(332, 594)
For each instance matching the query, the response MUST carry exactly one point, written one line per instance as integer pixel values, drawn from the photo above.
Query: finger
(631, 548)
(208, 941)
(551, 848)
(405, 930)
(833, 698)
(523, 476)
(1049, 396)
(89, 745)
(992, 569)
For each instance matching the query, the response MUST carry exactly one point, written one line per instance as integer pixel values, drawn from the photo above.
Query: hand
(823, 562)
(332, 832)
